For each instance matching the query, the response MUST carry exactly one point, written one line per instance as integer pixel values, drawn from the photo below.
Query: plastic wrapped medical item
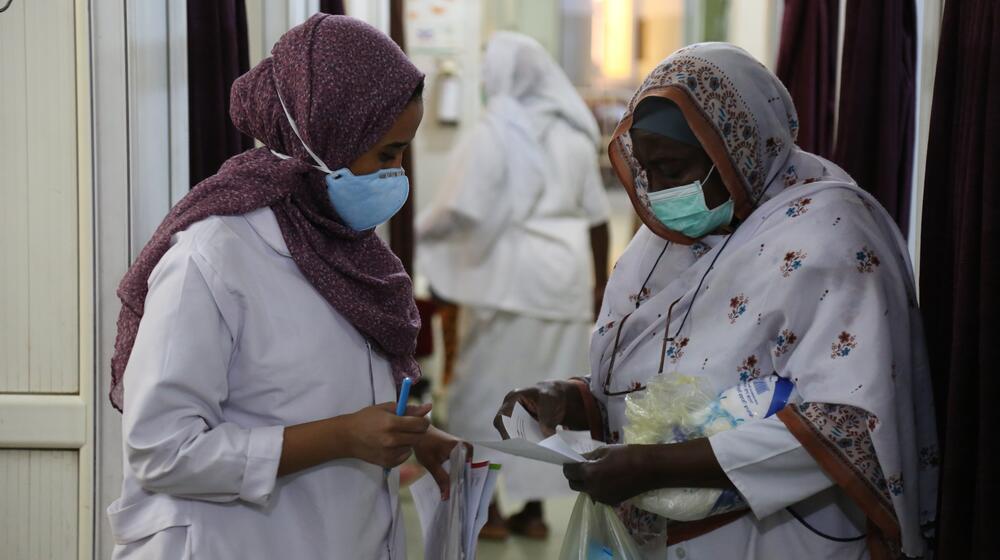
(676, 408)
(596, 533)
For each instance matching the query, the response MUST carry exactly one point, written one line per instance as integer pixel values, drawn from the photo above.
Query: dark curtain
(335, 7)
(875, 123)
(401, 226)
(960, 273)
(217, 55)
(807, 65)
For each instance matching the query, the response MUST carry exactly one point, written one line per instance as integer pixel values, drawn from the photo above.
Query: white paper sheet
(522, 425)
(484, 504)
(451, 528)
(526, 440)
(580, 441)
(474, 496)
(432, 512)
(555, 449)
(442, 522)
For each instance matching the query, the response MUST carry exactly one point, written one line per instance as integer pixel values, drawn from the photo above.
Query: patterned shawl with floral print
(815, 285)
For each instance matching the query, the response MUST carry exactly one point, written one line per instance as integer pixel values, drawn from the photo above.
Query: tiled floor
(557, 515)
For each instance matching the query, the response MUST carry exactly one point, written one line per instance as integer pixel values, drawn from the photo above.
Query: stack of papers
(451, 527)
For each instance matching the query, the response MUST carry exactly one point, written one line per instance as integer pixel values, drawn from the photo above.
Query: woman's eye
(386, 158)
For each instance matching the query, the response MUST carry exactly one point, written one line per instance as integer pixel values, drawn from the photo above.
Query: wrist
(685, 464)
(433, 434)
(340, 437)
(591, 414)
(650, 464)
(576, 414)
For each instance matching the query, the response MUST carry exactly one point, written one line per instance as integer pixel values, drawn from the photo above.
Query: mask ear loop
(321, 166)
(710, 171)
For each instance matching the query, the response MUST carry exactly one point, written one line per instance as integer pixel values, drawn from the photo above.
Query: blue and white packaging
(677, 408)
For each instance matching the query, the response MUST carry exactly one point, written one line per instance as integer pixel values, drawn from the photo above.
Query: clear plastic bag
(677, 408)
(596, 533)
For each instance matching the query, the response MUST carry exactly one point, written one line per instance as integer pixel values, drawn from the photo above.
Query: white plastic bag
(677, 408)
(596, 533)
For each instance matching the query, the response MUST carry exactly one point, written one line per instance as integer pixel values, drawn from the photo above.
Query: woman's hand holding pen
(373, 434)
(376, 435)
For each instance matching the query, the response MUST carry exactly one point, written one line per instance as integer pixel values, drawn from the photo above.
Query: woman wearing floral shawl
(755, 258)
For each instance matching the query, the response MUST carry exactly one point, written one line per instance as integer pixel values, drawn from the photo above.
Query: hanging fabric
(877, 90)
(217, 55)
(807, 65)
(960, 274)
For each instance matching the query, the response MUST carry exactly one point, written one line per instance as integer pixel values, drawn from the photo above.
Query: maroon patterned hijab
(345, 84)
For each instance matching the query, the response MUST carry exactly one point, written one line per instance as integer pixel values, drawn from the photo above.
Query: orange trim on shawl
(710, 142)
(883, 527)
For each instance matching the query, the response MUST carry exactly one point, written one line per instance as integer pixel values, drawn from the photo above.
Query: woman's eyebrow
(397, 145)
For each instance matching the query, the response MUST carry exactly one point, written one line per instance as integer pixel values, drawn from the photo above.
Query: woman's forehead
(647, 144)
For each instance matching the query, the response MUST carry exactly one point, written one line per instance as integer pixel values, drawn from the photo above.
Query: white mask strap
(703, 181)
(320, 165)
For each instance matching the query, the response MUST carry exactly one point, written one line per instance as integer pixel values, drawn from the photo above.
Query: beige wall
(46, 318)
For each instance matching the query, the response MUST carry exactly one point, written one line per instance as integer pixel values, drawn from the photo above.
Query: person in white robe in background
(518, 238)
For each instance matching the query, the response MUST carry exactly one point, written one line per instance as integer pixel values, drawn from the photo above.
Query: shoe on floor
(528, 525)
(496, 526)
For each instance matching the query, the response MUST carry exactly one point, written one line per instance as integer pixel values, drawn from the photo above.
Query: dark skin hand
(552, 403)
(616, 473)
(373, 434)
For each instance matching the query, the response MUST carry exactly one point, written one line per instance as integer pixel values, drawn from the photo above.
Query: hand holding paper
(527, 440)
(552, 403)
(451, 526)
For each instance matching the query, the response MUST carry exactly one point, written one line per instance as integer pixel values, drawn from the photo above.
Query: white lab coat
(234, 345)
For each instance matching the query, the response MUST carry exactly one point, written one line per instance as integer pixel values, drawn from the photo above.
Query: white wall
(753, 26)
(111, 243)
(158, 115)
(929, 13)
(435, 140)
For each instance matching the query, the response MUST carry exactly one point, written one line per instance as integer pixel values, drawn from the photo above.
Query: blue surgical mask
(683, 209)
(363, 202)
(367, 201)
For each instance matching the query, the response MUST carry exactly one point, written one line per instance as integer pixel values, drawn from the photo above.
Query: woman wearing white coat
(264, 327)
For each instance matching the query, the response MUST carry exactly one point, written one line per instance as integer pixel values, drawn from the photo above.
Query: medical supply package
(676, 408)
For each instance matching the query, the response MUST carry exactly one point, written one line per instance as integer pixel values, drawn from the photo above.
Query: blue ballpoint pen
(404, 395)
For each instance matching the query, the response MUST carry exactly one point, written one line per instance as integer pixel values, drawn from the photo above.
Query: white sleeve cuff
(263, 456)
(768, 466)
